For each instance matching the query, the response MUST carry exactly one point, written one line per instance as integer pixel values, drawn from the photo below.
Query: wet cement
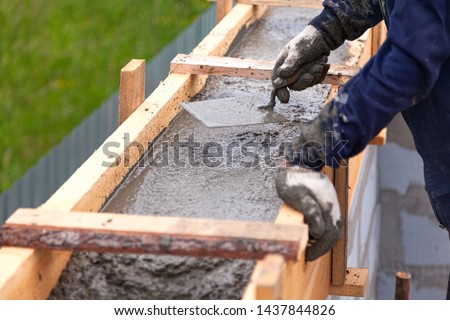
(195, 171)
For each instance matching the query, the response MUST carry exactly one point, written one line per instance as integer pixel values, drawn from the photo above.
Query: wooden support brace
(223, 7)
(132, 88)
(315, 4)
(247, 68)
(122, 233)
(339, 253)
(355, 284)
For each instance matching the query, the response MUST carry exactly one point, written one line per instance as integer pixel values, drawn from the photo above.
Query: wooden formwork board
(32, 274)
(125, 233)
(132, 88)
(247, 68)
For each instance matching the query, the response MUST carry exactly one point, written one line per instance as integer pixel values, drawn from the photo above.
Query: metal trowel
(230, 112)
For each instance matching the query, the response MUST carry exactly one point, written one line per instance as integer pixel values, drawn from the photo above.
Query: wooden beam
(132, 88)
(246, 68)
(314, 4)
(122, 233)
(31, 273)
(354, 170)
(223, 7)
(355, 284)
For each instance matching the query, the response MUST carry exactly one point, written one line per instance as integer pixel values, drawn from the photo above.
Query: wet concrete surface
(195, 171)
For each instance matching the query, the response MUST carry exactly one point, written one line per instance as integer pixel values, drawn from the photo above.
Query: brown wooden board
(132, 88)
(122, 233)
(223, 7)
(247, 68)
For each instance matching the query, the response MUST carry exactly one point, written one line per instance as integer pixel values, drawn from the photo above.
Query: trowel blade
(230, 112)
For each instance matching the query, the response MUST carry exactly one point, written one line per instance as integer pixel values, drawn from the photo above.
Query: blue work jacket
(409, 74)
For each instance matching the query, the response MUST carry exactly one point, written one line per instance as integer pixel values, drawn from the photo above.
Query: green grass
(59, 60)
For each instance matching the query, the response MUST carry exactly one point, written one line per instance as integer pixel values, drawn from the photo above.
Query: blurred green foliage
(59, 60)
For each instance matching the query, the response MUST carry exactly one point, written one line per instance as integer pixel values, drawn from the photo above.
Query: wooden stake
(132, 88)
(339, 256)
(402, 285)
(122, 233)
(223, 7)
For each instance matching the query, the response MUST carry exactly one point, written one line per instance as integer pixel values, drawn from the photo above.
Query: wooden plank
(269, 278)
(355, 284)
(132, 88)
(354, 164)
(223, 8)
(339, 252)
(247, 68)
(376, 38)
(314, 4)
(32, 274)
(122, 233)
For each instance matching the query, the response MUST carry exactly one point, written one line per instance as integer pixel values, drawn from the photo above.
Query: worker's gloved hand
(301, 64)
(301, 185)
(311, 192)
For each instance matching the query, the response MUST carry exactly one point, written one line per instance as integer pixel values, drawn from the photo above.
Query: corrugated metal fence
(42, 180)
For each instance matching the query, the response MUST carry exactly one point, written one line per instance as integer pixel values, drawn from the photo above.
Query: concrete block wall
(410, 239)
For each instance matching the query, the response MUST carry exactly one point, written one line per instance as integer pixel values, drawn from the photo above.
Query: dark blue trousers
(429, 122)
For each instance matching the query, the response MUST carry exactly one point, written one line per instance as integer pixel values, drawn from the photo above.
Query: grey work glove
(312, 193)
(302, 186)
(301, 64)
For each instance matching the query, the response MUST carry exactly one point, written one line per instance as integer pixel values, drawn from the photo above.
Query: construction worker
(409, 74)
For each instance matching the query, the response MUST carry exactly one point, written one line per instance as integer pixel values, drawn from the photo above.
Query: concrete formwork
(243, 192)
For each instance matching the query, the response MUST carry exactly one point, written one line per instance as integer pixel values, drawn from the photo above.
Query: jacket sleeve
(402, 73)
(343, 20)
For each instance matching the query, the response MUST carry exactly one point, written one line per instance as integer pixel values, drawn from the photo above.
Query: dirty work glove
(301, 64)
(301, 185)
(311, 192)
